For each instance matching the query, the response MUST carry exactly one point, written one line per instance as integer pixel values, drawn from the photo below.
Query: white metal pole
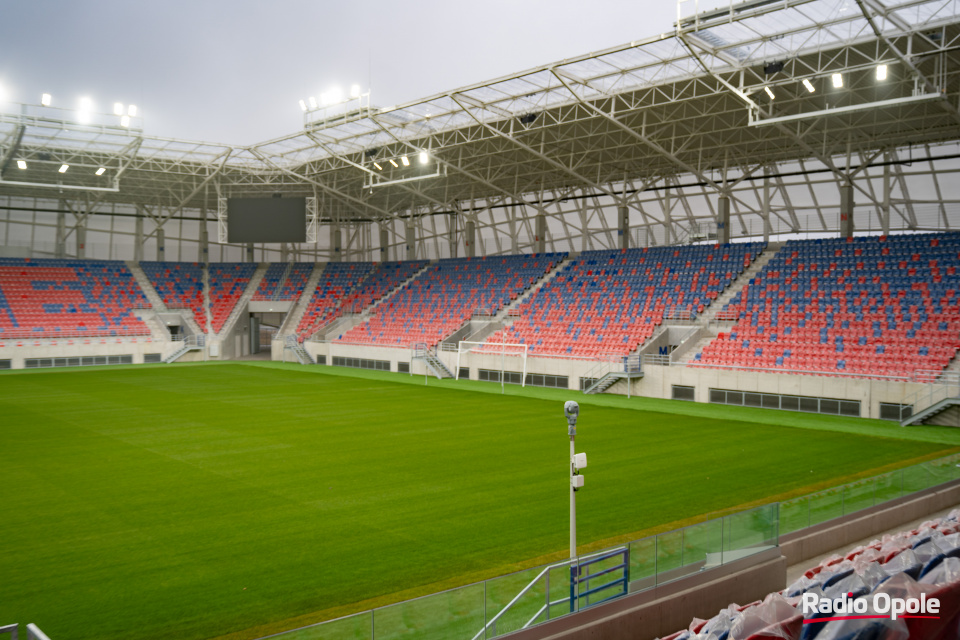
(573, 507)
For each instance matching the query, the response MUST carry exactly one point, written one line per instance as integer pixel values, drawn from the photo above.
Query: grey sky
(233, 71)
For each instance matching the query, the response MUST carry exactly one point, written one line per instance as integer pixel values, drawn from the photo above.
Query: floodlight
(132, 111)
(45, 99)
(313, 102)
(837, 81)
(424, 158)
(101, 170)
(64, 167)
(405, 160)
(808, 85)
(881, 72)
(335, 95)
(394, 163)
(117, 109)
(86, 104)
(354, 91)
(377, 165)
(21, 164)
(769, 92)
(124, 121)
(303, 105)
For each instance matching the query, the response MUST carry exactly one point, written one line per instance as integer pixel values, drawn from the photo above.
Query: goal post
(502, 349)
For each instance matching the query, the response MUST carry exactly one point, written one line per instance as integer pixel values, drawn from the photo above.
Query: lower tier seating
(271, 287)
(610, 302)
(180, 286)
(922, 563)
(227, 281)
(53, 298)
(338, 280)
(447, 294)
(881, 306)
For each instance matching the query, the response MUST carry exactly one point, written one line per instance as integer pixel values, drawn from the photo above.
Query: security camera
(571, 409)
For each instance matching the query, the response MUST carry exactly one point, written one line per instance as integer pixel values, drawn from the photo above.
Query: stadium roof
(722, 97)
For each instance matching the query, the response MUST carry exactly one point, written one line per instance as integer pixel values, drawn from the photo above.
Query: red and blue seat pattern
(438, 301)
(386, 277)
(610, 302)
(60, 298)
(338, 280)
(290, 289)
(179, 285)
(228, 280)
(883, 306)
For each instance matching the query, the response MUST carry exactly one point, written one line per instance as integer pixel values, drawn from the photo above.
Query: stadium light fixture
(132, 111)
(124, 121)
(335, 95)
(837, 81)
(405, 160)
(881, 72)
(424, 157)
(769, 92)
(46, 100)
(808, 85)
(394, 163)
(354, 91)
(313, 102)
(21, 164)
(377, 165)
(86, 106)
(63, 168)
(303, 105)
(101, 171)
(117, 109)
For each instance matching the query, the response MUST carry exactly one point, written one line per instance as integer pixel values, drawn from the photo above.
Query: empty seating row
(610, 302)
(42, 298)
(338, 280)
(438, 301)
(275, 287)
(883, 306)
(179, 285)
(850, 590)
(227, 282)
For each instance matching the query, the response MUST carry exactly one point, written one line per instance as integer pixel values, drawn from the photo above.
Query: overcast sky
(232, 71)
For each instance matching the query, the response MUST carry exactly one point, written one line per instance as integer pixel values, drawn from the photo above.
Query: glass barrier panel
(750, 531)
(643, 563)
(826, 505)
(523, 609)
(457, 613)
(794, 514)
(355, 627)
(858, 495)
(702, 540)
(669, 556)
(558, 579)
(917, 478)
(944, 469)
(888, 486)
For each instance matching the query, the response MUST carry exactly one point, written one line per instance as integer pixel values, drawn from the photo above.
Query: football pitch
(198, 501)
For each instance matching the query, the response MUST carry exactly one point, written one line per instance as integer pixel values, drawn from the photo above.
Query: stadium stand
(271, 287)
(447, 294)
(60, 298)
(862, 306)
(610, 302)
(338, 280)
(923, 561)
(381, 281)
(180, 286)
(228, 280)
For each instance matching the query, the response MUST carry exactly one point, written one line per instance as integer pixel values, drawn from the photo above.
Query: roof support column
(623, 214)
(765, 211)
(541, 236)
(336, 242)
(454, 219)
(723, 219)
(61, 250)
(384, 243)
(885, 209)
(469, 240)
(249, 252)
(80, 232)
(411, 240)
(846, 210)
(161, 245)
(138, 235)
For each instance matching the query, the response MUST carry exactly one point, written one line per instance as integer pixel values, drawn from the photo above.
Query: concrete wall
(63, 349)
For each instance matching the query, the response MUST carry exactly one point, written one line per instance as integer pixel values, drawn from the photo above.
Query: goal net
(503, 350)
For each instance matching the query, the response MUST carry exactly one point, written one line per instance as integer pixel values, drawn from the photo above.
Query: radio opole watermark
(883, 606)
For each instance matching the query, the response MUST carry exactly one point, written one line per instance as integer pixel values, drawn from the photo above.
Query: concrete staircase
(241, 305)
(744, 278)
(155, 300)
(157, 326)
(295, 314)
(504, 313)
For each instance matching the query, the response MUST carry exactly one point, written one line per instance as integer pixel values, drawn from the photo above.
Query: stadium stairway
(295, 314)
(711, 312)
(241, 305)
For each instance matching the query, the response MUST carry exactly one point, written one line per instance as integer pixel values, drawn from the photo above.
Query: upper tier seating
(180, 285)
(290, 289)
(383, 279)
(337, 281)
(924, 561)
(865, 306)
(609, 302)
(59, 298)
(438, 301)
(228, 280)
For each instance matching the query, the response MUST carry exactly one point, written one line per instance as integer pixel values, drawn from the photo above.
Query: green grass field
(197, 501)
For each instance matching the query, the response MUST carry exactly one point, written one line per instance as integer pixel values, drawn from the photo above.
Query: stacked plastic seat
(923, 563)
(880, 306)
(384, 278)
(338, 280)
(227, 281)
(179, 285)
(271, 287)
(447, 294)
(58, 298)
(610, 302)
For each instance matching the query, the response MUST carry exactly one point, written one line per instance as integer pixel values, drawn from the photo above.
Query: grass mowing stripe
(199, 500)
